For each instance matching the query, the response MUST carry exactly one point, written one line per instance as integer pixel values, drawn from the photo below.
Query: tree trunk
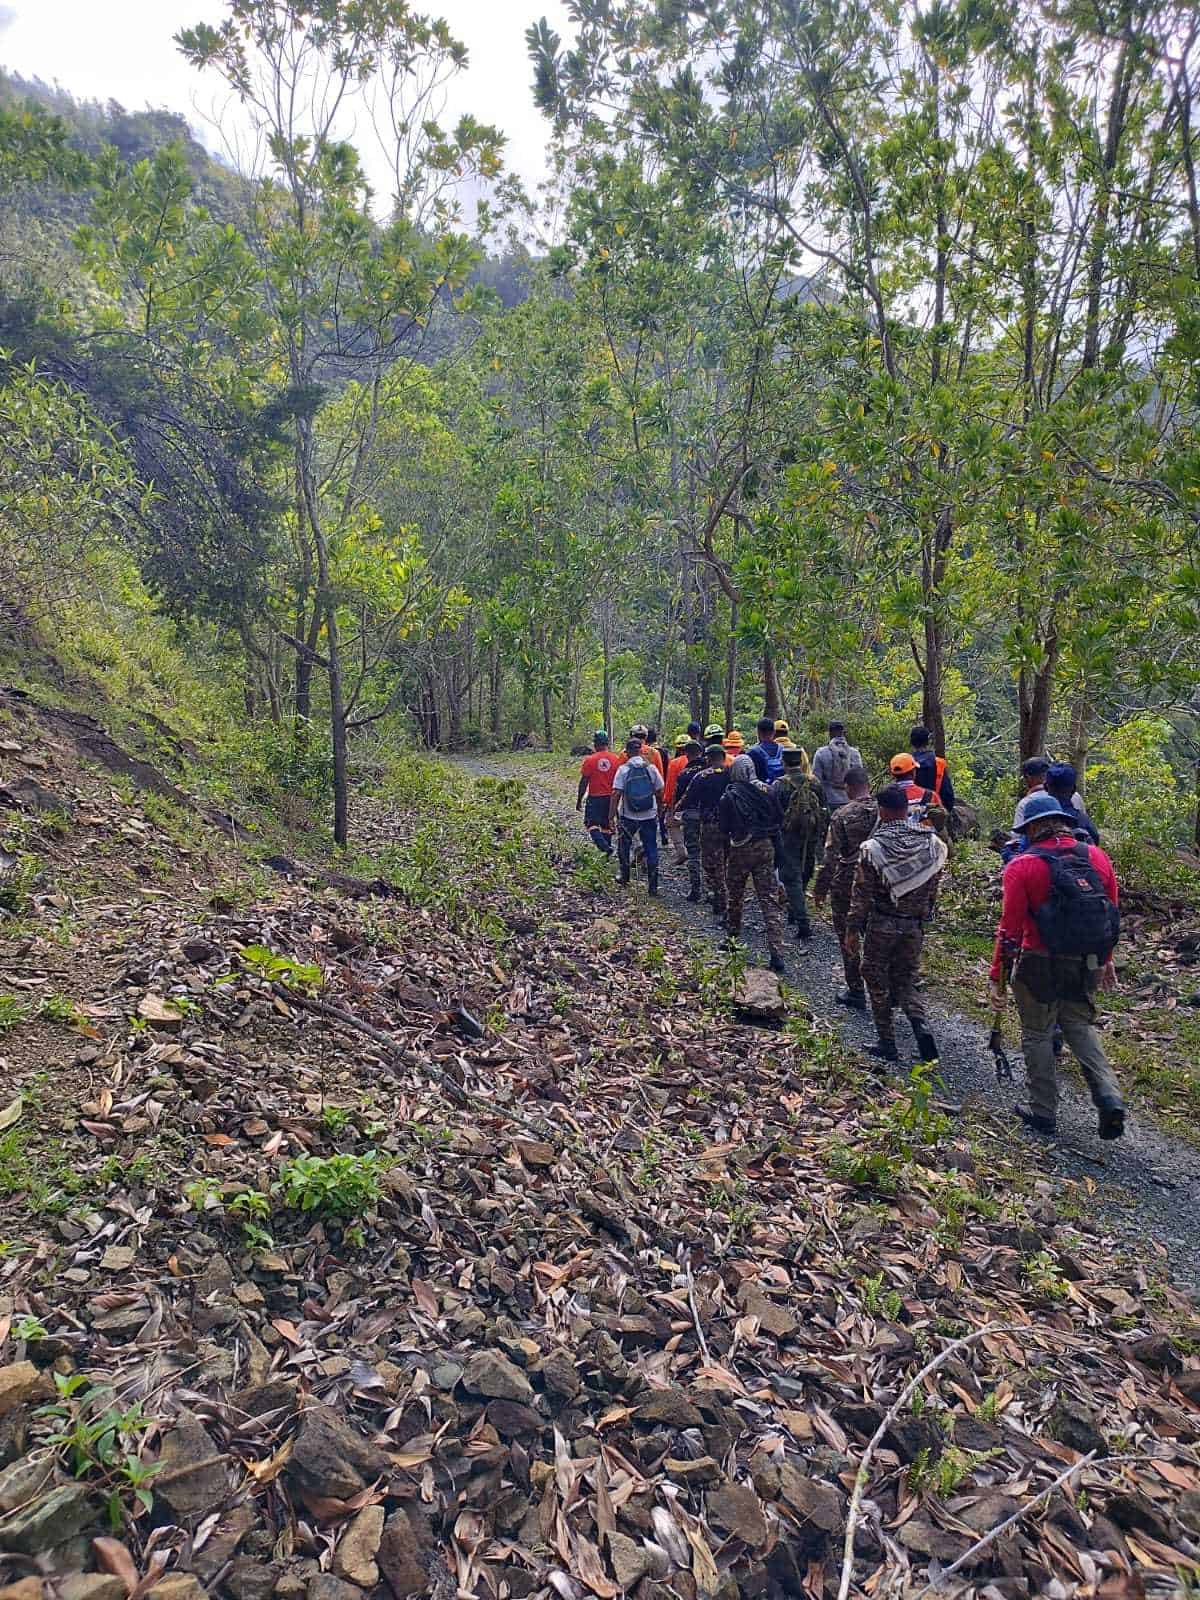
(668, 642)
(453, 709)
(935, 550)
(547, 727)
(772, 694)
(495, 685)
(731, 663)
(932, 714)
(1080, 740)
(325, 610)
(606, 643)
(1034, 696)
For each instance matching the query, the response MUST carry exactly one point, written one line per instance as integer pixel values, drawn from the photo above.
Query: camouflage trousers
(691, 840)
(712, 859)
(851, 964)
(755, 861)
(891, 963)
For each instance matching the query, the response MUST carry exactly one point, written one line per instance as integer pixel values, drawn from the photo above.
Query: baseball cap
(901, 764)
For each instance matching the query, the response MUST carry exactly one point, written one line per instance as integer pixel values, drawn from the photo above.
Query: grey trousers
(1075, 1016)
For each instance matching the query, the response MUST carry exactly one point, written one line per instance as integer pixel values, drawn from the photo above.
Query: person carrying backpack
(698, 808)
(895, 885)
(924, 808)
(749, 818)
(634, 810)
(849, 828)
(932, 772)
(1059, 925)
(802, 802)
(767, 754)
(831, 764)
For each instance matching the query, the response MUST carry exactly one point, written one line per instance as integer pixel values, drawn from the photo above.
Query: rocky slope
(461, 1241)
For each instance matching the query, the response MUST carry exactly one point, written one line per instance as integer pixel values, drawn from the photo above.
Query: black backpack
(1078, 919)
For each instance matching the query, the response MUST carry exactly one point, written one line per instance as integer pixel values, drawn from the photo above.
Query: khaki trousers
(1075, 1014)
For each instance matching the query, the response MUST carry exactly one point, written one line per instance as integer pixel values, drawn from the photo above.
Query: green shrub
(332, 1186)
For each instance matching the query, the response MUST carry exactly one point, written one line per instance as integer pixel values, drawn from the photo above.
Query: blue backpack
(774, 762)
(639, 787)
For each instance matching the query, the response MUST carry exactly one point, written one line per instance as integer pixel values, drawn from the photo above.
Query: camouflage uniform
(798, 845)
(848, 827)
(712, 859)
(755, 860)
(691, 839)
(893, 934)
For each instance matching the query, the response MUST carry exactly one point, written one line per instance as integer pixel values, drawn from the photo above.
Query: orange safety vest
(919, 796)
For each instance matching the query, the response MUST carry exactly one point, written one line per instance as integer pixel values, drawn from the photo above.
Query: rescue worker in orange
(923, 805)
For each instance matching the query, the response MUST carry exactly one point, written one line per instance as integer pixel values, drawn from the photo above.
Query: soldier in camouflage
(805, 818)
(698, 813)
(895, 884)
(750, 818)
(849, 827)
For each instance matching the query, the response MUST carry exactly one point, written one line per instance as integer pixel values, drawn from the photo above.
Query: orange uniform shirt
(653, 754)
(600, 768)
(674, 767)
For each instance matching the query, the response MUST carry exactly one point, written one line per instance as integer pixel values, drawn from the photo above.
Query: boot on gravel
(885, 1050)
(855, 998)
(652, 882)
(926, 1044)
(777, 963)
(694, 896)
(1042, 1125)
(1112, 1119)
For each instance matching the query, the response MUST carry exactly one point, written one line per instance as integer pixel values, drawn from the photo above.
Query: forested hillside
(858, 373)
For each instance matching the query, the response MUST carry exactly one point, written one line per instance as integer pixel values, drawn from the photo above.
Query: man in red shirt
(596, 775)
(1051, 986)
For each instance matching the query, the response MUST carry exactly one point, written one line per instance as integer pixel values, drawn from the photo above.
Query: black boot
(1112, 1119)
(694, 896)
(623, 878)
(855, 998)
(652, 882)
(885, 1050)
(777, 963)
(1043, 1125)
(926, 1044)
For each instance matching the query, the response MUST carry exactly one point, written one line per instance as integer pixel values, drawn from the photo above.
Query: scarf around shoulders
(904, 856)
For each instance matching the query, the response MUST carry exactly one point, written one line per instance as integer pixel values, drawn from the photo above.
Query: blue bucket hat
(1036, 806)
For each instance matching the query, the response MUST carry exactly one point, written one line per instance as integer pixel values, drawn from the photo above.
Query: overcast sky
(123, 50)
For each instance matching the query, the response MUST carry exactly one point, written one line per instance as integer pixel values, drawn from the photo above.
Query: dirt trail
(1147, 1186)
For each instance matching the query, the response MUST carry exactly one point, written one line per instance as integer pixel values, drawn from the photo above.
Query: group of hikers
(768, 817)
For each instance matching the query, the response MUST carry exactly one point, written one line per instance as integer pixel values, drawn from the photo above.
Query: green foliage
(1042, 1275)
(60, 1009)
(98, 1439)
(273, 968)
(340, 1187)
(1132, 787)
(878, 1301)
(13, 1010)
(944, 1474)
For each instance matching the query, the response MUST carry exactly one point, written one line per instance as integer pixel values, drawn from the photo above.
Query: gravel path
(1147, 1184)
